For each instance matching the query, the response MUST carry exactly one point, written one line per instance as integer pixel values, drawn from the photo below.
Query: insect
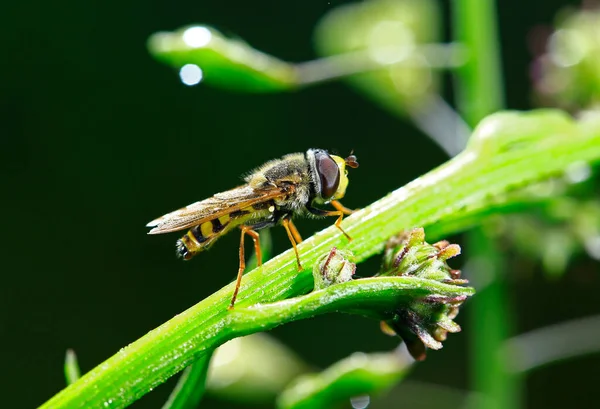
(272, 194)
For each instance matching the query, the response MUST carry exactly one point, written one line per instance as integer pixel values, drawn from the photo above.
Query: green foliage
(190, 387)
(224, 62)
(252, 369)
(72, 372)
(384, 49)
(568, 73)
(356, 375)
(393, 34)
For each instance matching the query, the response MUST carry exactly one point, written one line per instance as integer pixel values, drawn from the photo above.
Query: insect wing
(211, 208)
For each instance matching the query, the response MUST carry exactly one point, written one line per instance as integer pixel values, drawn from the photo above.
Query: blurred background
(97, 138)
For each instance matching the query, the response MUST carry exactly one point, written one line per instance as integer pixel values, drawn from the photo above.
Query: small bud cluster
(335, 267)
(424, 323)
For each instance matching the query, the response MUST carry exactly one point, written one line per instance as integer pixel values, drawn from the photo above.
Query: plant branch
(492, 165)
(436, 56)
(479, 93)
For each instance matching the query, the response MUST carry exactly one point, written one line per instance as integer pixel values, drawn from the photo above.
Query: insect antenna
(351, 161)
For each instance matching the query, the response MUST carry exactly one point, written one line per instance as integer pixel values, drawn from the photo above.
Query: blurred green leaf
(225, 62)
(255, 368)
(190, 387)
(568, 73)
(72, 372)
(356, 375)
(391, 32)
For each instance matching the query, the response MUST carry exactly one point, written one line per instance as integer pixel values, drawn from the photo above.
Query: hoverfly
(273, 193)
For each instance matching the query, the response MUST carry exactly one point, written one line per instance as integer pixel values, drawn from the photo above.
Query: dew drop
(190, 74)
(197, 36)
(360, 402)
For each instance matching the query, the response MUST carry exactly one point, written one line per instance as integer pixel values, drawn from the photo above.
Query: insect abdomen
(200, 237)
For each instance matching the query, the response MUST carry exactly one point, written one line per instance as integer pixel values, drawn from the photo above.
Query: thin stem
(378, 293)
(555, 343)
(438, 56)
(191, 386)
(441, 123)
(463, 185)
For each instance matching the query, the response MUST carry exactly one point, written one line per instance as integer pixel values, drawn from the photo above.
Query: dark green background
(96, 139)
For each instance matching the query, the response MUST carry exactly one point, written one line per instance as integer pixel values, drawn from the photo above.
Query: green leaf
(72, 372)
(225, 62)
(252, 369)
(359, 374)
(390, 33)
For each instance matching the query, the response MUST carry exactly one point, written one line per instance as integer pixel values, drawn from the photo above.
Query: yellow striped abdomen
(202, 236)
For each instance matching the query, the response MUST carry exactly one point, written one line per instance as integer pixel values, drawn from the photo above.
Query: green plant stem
(479, 93)
(378, 293)
(465, 184)
(490, 326)
(439, 56)
(479, 89)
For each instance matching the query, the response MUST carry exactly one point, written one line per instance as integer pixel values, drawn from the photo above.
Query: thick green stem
(465, 184)
(479, 93)
(479, 89)
(490, 326)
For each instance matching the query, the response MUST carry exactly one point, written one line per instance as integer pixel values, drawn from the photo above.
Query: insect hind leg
(255, 236)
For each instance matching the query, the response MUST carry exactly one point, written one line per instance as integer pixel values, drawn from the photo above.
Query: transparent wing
(211, 208)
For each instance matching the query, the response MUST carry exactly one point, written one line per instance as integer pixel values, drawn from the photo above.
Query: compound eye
(329, 173)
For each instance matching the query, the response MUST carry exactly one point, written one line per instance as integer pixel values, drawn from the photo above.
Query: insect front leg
(341, 207)
(255, 236)
(339, 213)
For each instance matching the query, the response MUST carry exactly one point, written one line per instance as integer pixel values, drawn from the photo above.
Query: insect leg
(295, 232)
(245, 230)
(341, 207)
(339, 213)
(287, 223)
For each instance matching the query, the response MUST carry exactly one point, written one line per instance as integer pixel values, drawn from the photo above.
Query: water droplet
(578, 172)
(592, 246)
(360, 402)
(197, 36)
(190, 74)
